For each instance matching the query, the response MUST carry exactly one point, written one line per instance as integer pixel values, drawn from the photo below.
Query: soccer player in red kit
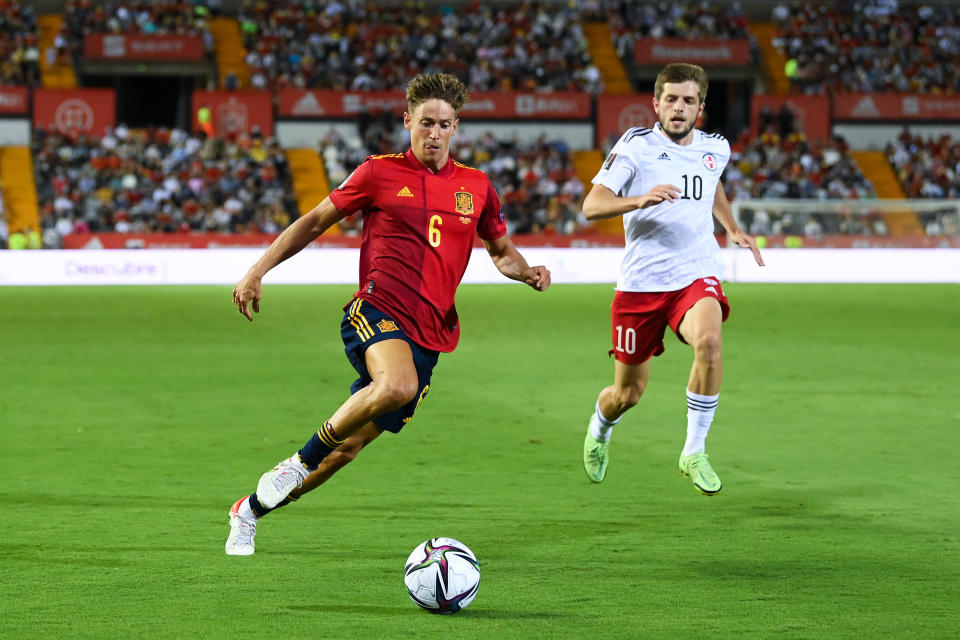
(421, 211)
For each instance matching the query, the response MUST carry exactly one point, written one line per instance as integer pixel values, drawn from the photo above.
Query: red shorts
(639, 320)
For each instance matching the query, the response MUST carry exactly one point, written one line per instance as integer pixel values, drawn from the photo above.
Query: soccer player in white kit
(665, 182)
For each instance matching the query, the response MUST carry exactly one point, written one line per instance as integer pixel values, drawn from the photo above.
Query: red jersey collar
(416, 164)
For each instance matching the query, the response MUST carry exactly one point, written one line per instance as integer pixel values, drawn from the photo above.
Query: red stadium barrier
(240, 240)
(74, 111)
(895, 106)
(300, 103)
(709, 53)
(14, 100)
(233, 112)
(811, 113)
(139, 46)
(616, 114)
(545, 240)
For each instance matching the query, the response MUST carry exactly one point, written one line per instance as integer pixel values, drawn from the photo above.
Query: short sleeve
(491, 225)
(618, 168)
(356, 192)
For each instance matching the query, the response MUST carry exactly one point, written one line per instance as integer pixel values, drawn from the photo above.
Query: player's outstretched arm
(511, 264)
(294, 238)
(601, 202)
(724, 215)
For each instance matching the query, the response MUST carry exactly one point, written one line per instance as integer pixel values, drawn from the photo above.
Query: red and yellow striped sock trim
(328, 437)
(359, 322)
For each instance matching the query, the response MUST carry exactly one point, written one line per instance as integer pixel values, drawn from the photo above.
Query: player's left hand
(537, 277)
(247, 293)
(747, 241)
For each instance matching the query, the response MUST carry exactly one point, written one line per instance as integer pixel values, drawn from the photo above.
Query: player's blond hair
(681, 72)
(442, 86)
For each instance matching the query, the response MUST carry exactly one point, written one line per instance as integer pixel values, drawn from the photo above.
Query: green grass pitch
(133, 417)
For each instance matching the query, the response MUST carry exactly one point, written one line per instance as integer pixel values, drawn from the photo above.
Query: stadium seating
(525, 46)
(773, 167)
(160, 180)
(871, 47)
(19, 45)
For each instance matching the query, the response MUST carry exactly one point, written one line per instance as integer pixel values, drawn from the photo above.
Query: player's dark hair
(442, 86)
(681, 72)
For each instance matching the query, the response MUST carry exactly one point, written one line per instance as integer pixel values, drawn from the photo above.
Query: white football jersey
(671, 244)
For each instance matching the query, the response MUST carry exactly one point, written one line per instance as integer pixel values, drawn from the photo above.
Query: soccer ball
(442, 575)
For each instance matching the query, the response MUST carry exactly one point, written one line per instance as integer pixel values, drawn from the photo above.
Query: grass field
(133, 417)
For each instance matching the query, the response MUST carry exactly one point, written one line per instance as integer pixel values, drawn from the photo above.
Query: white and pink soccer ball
(442, 575)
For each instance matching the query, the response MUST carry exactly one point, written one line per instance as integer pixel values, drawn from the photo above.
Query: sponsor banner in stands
(811, 114)
(617, 113)
(895, 106)
(137, 46)
(74, 111)
(263, 240)
(297, 103)
(233, 112)
(13, 100)
(709, 53)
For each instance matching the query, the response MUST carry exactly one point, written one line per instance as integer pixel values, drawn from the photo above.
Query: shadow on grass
(412, 610)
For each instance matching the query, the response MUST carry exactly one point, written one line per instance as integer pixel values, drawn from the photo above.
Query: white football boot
(242, 532)
(276, 484)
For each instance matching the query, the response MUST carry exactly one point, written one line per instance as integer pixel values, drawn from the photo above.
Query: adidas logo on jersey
(663, 156)
(405, 193)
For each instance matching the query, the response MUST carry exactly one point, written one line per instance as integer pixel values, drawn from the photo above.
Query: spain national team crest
(709, 161)
(386, 326)
(464, 204)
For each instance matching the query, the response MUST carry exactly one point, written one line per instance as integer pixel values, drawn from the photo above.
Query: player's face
(678, 108)
(430, 125)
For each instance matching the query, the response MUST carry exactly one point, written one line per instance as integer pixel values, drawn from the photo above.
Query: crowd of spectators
(929, 168)
(160, 180)
(356, 45)
(631, 21)
(926, 167)
(771, 166)
(19, 44)
(161, 17)
(880, 45)
(536, 180)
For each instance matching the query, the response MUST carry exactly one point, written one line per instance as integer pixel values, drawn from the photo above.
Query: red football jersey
(418, 234)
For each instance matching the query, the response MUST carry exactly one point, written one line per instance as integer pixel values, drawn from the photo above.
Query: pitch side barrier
(568, 265)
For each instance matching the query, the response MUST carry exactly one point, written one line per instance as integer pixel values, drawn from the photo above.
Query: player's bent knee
(708, 346)
(627, 397)
(393, 395)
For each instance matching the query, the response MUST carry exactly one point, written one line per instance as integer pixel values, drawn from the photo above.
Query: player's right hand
(658, 194)
(248, 291)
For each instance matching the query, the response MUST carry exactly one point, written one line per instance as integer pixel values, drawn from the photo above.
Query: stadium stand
(878, 46)
(19, 48)
(926, 167)
(160, 180)
(512, 46)
(632, 21)
(56, 66)
(537, 181)
(773, 167)
(524, 46)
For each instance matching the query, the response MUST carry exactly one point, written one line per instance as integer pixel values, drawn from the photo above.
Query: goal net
(851, 223)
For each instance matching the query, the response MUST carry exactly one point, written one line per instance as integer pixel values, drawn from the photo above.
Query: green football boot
(595, 457)
(701, 473)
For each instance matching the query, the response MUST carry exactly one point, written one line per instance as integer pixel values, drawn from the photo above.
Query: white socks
(700, 410)
(245, 512)
(600, 427)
